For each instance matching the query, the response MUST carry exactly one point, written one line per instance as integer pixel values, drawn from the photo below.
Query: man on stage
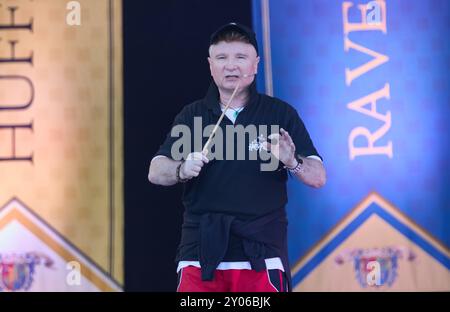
(234, 234)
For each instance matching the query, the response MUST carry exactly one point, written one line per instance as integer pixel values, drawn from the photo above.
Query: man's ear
(210, 65)
(256, 65)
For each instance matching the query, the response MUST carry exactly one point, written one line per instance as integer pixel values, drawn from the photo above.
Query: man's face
(230, 60)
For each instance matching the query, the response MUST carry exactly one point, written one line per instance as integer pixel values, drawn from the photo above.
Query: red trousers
(190, 280)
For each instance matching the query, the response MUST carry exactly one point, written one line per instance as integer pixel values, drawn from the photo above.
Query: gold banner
(61, 120)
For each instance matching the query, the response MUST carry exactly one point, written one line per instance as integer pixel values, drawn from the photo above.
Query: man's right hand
(193, 165)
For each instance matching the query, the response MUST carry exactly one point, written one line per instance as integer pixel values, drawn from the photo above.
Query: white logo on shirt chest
(256, 144)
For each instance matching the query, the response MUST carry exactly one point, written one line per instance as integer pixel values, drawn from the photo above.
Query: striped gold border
(265, 13)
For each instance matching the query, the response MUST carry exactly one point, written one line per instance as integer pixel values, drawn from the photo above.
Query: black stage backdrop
(165, 67)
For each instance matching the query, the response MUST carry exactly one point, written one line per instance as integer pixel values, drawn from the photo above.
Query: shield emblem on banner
(16, 270)
(387, 261)
(16, 274)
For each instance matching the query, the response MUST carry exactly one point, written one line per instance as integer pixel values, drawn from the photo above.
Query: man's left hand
(282, 147)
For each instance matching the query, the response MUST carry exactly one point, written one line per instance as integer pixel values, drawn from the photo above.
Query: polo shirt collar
(212, 97)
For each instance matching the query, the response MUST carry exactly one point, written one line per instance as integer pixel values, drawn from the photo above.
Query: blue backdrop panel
(308, 63)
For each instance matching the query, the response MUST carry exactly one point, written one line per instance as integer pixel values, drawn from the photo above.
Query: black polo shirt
(239, 187)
